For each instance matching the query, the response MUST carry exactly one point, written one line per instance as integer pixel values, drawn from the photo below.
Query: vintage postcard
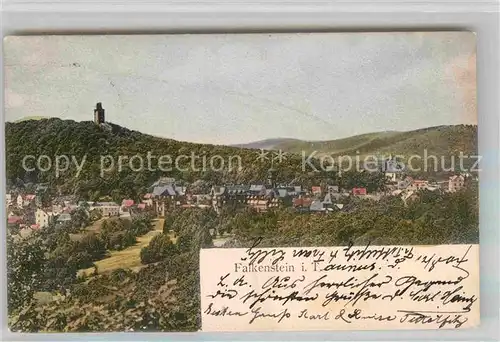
(242, 182)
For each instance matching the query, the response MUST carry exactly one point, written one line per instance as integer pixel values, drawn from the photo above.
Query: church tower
(99, 114)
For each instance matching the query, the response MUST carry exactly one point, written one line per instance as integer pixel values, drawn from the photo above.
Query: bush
(160, 248)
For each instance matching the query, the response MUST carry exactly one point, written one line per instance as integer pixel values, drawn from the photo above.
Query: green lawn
(127, 258)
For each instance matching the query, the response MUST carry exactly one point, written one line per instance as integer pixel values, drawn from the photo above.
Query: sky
(240, 88)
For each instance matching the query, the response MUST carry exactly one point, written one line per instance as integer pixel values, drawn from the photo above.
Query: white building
(418, 184)
(456, 183)
(107, 209)
(43, 218)
(391, 176)
(20, 201)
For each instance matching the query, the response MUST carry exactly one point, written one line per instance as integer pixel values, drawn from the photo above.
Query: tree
(159, 248)
(25, 262)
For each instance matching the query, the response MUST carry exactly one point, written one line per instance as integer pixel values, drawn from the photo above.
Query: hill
(97, 147)
(99, 150)
(439, 141)
(269, 144)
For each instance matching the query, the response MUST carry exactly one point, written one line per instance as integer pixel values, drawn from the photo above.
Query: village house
(165, 194)
(237, 190)
(316, 191)
(392, 169)
(126, 205)
(316, 205)
(302, 203)
(164, 191)
(297, 191)
(229, 195)
(455, 183)
(327, 201)
(273, 203)
(13, 220)
(391, 176)
(43, 218)
(107, 209)
(433, 186)
(273, 198)
(324, 205)
(405, 183)
(164, 197)
(8, 199)
(333, 189)
(261, 203)
(442, 185)
(257, 190)
(359, 191)
(148, 199)
(418, 184)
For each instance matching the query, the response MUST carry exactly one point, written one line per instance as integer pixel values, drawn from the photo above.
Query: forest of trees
(86, 140)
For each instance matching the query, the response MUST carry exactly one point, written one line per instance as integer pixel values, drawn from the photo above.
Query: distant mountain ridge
(438, 140)
(267, 144)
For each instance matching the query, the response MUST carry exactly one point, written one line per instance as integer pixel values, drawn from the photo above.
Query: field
(127, 258)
